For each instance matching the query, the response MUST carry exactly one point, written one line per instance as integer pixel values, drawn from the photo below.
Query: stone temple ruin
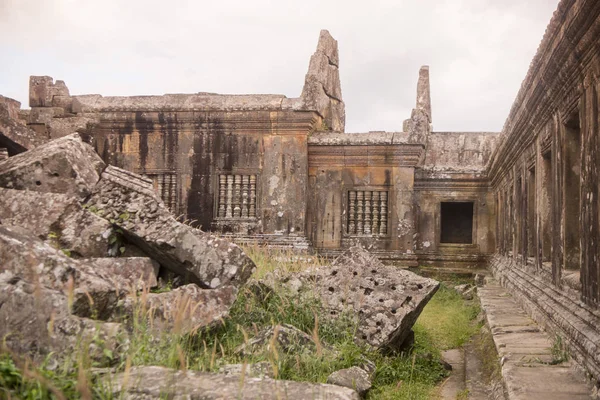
(523, 202)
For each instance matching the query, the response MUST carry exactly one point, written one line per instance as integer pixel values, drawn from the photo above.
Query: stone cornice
(555, 78)
(246, 122)
(405, 155)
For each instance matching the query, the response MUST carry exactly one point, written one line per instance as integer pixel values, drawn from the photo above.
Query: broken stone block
(354, 378)
(130, 202)
(127, 273)
(160, 382)
(66, 165)
(41, 115)
(256, 370)
(386, 300)
(42, 91)
(35, 322)
(58, 218)
(185, 309)
(3, 153)
(27, 258)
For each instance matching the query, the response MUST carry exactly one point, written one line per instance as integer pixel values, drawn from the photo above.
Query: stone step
(525, 350)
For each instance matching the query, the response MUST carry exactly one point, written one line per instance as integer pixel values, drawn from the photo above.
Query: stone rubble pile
(63, 212)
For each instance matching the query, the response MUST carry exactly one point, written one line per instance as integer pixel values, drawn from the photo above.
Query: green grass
(446, 322)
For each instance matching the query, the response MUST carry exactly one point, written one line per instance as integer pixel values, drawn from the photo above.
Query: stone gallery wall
(545, 182)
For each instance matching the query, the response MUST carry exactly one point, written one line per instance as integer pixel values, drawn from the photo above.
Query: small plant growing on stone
(559, 351)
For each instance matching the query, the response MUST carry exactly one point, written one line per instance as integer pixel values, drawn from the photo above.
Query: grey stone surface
(130, 202)
(186, 309)
(322, 90)
(285, 337)
(256, 370)
(40, 304)
(27, 258)
(153, 382)
(126, 273)
(66, 165)
(387, 300)
(354, 378)
(58, 218)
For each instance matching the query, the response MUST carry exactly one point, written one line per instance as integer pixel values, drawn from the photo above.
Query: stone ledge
(524, 347)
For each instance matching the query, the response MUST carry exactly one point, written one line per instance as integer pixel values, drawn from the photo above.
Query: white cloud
(478, 51)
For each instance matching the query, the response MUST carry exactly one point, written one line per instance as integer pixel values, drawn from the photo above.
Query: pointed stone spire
(419, 125)
(423, 92)
(322, 90)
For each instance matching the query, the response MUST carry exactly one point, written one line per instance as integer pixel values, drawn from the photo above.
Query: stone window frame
(216, 191)
(438, 221)
(346, 205)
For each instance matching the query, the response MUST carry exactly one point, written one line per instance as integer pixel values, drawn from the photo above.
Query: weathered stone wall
(545, 182)
(372, 162)
(197, 147)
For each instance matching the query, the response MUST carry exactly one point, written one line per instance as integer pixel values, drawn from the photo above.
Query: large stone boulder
(354, 378)
(66, 165)
(158, 382)
(42, 292)
(387, 300)
(58, 218)
(184, 310)
(26, 258)
(129, 201)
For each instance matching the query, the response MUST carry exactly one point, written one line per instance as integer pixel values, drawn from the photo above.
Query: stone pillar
(423, 92)
(403, 226)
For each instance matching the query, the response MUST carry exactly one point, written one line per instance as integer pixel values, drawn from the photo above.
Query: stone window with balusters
(236, 196)
(367, 213)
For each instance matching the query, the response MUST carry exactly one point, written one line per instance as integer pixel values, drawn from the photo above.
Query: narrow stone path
(455, 384)
(526, 352)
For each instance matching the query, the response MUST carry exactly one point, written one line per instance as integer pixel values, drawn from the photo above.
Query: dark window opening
(457, 222)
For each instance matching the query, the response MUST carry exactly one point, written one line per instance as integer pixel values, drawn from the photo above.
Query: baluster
(351, 212)
(383, 196)
(229, 209)
(237, 196)
(367, 225)
(359, 212)
(376, 210)
(245, 182)
(222, 196)
(252, 210)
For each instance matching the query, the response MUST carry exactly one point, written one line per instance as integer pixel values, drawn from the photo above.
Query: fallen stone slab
(129, 201)
(354, 378)
(127, 274)
(58, 218)
(66, 165)
(159, 382)
(183, 310)
(386, 300)
(26, 258)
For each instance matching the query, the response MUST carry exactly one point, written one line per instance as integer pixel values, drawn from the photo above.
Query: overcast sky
(478, 51)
